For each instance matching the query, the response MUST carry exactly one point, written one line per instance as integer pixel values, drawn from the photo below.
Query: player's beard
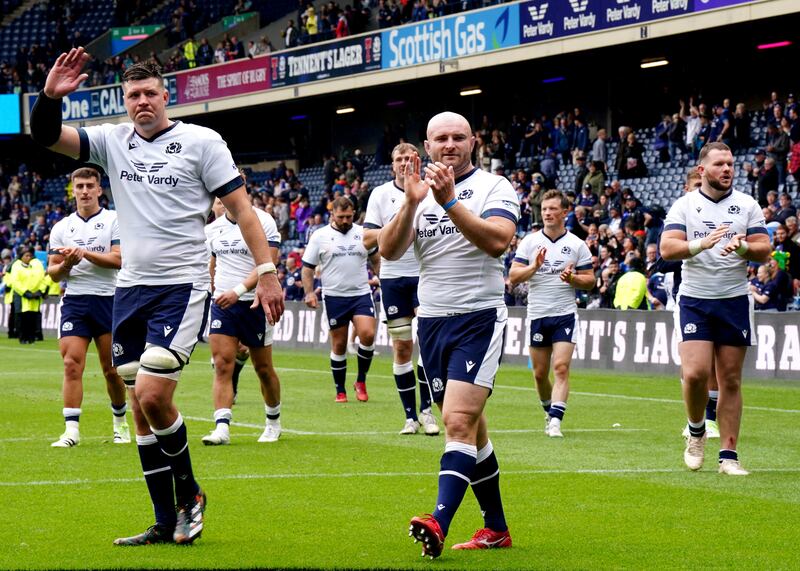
(718, 185)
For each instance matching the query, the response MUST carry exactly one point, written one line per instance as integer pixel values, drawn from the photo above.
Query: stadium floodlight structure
(345, 110)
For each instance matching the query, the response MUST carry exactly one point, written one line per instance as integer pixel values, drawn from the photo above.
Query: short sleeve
(270, 229)
(584, 258)
(57, 236)
(94, 144)
(756, 224)
(523, 253)
(676, 217)
(219, 173)
(372, 219)
(502, 201)
(115, 231)
(311, 254)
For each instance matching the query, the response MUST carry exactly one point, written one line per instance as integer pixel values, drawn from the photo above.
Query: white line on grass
(431, 474)
(381, 432)
(581, 393)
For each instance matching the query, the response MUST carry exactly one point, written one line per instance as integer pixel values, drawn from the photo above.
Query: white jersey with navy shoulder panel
(163, 188)
(709, 274)
(233, 260)
(384, 203)
(342, 259)
(94, 234)
(548, 296)
(455, 275)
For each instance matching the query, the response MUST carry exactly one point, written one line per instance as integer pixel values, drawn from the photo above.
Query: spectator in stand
(632, 159)
(782, 243)
(535, 198)
(770, 222)
(778, 149)
(785, 208)
(384, 15)
(290, 35)
(767, 180)
(765, 295)
(580, 173)
(580, 143)
(607, 283)
(676, 137)
(205, 55)
(312, 26)
(220, 55)
(653, 224)
(562, 141)
(703, 135)
(792, 229)
(302, 216)
(342, 26)
(292, 281)
(661, 139)
(599, 149)
(741, 127)
(587, 198)
(596, 177)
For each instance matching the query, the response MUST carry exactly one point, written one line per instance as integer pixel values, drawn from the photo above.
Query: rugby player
(233, 275)
(164, 175)
(399, 281)
(554, 262)
(460, 220)
(339, 251)
(85, 252)
(693, 182)
(715, 231)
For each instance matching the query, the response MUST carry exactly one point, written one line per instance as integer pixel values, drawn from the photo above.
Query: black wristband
(46, 120)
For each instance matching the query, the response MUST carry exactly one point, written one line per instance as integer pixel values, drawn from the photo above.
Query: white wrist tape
(743, 247)
(266, 268)
(240, 290)
(695, 246)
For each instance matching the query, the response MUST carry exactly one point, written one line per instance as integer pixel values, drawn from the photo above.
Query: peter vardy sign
(547, 19)
(456, 36)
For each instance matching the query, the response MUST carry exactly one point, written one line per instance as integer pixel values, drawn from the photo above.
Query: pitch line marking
(581, 393)
(431, 474)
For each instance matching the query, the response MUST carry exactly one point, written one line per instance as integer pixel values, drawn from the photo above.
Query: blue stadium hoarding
(334, 59)
(98, 102)
(9, 114)
(452, 37)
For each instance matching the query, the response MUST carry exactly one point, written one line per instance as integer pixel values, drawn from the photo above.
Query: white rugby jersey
(384, 202)
(709, 274)
(234, 262)
(343, 259)
(455, 275)
(163, 188)
(548, 296)
(95, 234)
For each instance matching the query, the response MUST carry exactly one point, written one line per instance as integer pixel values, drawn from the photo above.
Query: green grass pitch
(338, 489)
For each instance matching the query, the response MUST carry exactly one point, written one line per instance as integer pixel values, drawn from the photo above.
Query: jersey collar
(398, 187)
(557, 239)
(229, 220)
(464, 177)
(90, 217)
(723, 197)
(157, 135)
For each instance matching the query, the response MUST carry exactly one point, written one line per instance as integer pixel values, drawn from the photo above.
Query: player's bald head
(449, 119)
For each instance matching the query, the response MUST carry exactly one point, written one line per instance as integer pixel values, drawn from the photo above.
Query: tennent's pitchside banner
(456, 36)
(548, 19)
(214, 82)
(345, 57)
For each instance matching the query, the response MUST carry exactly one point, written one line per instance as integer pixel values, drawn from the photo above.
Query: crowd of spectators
(620, 230)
